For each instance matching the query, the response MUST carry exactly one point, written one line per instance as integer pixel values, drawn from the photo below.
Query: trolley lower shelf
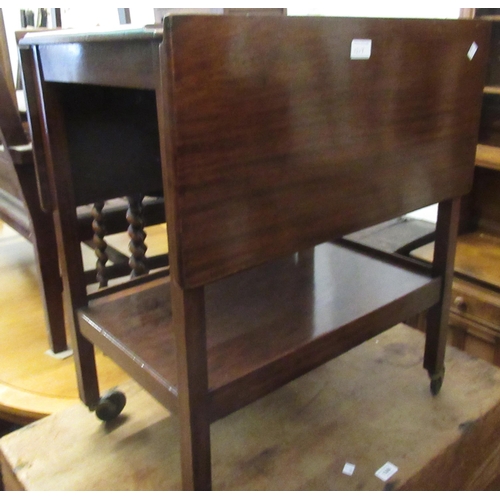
(266, 326)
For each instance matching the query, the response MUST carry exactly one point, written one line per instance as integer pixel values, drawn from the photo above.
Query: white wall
(440, 10)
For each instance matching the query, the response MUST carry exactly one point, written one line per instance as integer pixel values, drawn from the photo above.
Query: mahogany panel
(274, 128)
(93, 64)
(272, 138)
(476, 303)
(112, 137)
(301, 301)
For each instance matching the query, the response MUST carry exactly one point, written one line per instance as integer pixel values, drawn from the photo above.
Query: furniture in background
(31, 216)
(19, 204)
(277, 136)
(160, 13)
(475, 306)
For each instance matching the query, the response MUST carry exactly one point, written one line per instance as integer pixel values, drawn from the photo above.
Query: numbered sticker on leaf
(386, 471)
(472, 50)
(361, 49)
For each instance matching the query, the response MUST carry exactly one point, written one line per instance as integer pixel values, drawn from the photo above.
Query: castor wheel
(110, 405)
(436, 383)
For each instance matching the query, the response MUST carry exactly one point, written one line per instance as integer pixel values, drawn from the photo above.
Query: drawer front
(475, 303)
(475, 339)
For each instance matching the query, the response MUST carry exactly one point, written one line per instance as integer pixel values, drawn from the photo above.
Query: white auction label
(386, 471)
(348, 469)
(361, 49)
(472, 50)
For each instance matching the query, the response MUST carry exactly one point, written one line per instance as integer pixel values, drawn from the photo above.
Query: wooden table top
(97, 34)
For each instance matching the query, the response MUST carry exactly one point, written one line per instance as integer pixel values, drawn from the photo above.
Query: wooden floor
(34, 384)
(368, 407)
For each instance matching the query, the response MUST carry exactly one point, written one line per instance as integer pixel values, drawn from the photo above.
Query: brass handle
(460, 304)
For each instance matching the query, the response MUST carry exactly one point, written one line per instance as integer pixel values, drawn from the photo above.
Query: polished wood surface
(475, 303)
(442, 265)
(475, 309)
(477, 257)
(366, 407)
(303, 300)
(488, 156)
(36, 194)
(94, 63)
(237, 175)
(266, 152)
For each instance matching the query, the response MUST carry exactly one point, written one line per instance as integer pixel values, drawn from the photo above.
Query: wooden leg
(44, 241)
(137, 236)
(83, 349)
(188, 310)
(437, 316)
(51, 286)
(86, 370)
(99, 243)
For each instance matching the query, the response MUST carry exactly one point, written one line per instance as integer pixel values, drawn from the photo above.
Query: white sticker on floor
(348, 469)
(386, 471)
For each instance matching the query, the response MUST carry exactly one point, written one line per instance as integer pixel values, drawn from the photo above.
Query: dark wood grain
(188, 307)
(260, 322)
(443, 266)
(273, 140)
(112, 141)
(273, 143)
(89, 160)
(475, 303)
(94, 64)
(66, 219)
(476, 287)
(68, 172)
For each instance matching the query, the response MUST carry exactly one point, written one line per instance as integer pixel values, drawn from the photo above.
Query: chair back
(286, 132)
(10, 120)
(12, 204)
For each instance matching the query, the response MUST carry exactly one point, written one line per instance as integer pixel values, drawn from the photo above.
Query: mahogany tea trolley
(272, 138)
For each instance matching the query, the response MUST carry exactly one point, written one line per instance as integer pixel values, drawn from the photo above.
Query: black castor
(436, 383)
(110, 405)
